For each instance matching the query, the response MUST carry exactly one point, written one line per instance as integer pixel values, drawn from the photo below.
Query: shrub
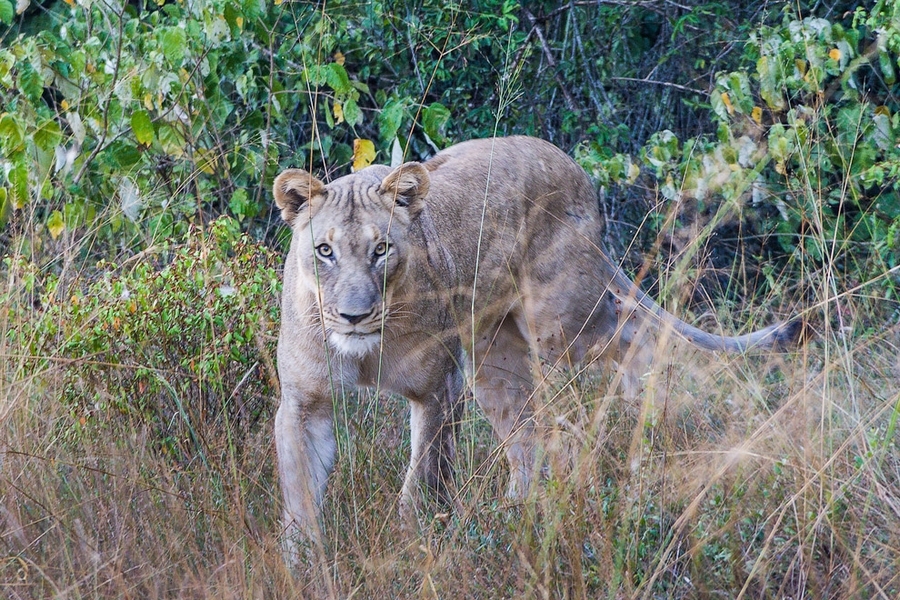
(158, 348)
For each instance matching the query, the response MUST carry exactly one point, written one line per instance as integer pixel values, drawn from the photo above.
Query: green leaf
(18, 179)
(172, 142)
(4, 207)
(124, 155)
(252, 8)
(7, 12)
(7, 61)
(781, 143)
(352, 114)
(885, 61)
(239, 203)
(48, 135)
(314, 75)
(173, 41)
(390, 118)
(770, 81)
(142, 125)
(337, 79)
(434, 119)
(231, 15)
(30, 82)
(11, 134)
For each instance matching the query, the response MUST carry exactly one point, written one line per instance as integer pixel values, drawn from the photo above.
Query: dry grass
(735, 477)
(756, 477)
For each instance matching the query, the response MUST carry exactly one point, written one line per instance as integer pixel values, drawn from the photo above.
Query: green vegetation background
(747, 151)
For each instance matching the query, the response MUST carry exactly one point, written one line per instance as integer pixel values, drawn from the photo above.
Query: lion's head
(351, 244)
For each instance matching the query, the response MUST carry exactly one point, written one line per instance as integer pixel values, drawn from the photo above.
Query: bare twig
(676, 86)
(570, 102)
(412, 53)
(586, 66)
(521, 52)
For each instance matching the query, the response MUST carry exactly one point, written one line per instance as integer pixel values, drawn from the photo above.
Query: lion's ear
(293, 190)
(407, 185)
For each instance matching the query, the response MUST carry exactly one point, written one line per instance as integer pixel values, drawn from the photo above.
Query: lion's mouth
(355, 343)
(354, 331)
(359, 335)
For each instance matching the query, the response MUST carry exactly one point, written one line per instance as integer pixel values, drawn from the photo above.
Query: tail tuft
(789, 334)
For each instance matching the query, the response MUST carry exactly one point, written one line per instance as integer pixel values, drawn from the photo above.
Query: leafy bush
(162, 349)
(133, 121)
(807, 139)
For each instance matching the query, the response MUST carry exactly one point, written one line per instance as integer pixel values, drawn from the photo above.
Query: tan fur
(492, 263)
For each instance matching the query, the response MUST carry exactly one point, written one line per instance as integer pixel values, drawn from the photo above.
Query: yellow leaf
(70, 2)
(64, 104)
(835, 54)
(338, 113)
(633, 173)
(205, 161)
(279, 2)
(727, 102)
(756, 115)
(240, 22)
(148, 101)
(801, 66)
(339, 58)
(363, 154)
(55, 224)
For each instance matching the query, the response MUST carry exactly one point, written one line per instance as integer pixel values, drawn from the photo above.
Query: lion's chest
(413, 366)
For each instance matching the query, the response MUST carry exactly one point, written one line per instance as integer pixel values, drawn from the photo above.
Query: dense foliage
(129, 121)
(807, 139)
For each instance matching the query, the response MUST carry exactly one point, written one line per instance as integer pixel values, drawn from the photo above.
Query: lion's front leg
(304, 442)
(434, 421)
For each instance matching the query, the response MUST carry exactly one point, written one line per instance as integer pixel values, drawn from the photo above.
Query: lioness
(484, 256)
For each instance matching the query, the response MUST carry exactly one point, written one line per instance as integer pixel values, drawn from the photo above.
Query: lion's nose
(354, 319)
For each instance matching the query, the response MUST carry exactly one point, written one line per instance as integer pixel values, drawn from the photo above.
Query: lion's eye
(324, 250)
(381, 249)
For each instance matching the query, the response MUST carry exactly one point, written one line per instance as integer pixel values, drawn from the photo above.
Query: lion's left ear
(407, 185)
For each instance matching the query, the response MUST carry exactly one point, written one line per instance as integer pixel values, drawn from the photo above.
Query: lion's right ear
(293, 190)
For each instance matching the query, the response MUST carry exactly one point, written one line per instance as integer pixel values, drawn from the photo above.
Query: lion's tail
(779, 337)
